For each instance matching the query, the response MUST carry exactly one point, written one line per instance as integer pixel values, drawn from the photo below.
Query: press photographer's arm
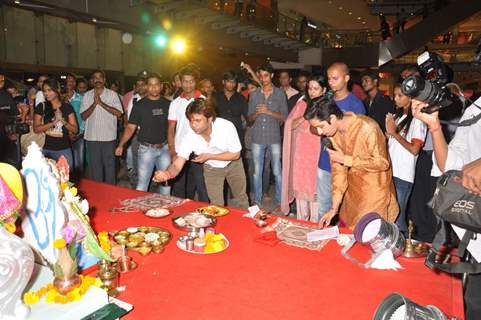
(472, 176)
(464, 147)
(440, 145)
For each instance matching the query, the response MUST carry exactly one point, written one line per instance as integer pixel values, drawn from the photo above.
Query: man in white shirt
(101, 108)
(464, 148)
(191, 178)
(216, 145)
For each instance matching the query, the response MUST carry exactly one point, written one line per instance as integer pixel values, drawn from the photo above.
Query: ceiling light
(94, 20)
(179, 46)
(350, 13)
(17, 1)
(340, 8)
(358, 18)
(364, 22)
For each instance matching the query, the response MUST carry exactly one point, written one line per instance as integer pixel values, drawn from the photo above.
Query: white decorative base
(94, 299)
(16, 266)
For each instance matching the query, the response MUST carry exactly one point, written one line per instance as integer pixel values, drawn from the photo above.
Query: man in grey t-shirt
(267, 111)
(100, 109)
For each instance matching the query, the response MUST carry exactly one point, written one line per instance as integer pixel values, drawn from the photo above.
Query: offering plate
(143, 239)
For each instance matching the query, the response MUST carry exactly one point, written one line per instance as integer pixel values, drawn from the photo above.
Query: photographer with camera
(463, 152)
(456, 208)
(8, 119)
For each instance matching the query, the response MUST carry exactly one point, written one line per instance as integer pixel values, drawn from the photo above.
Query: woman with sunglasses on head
(56, 119)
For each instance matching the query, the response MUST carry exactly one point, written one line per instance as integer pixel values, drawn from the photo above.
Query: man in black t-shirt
(377, 105)
(150, 114)
(230, 104)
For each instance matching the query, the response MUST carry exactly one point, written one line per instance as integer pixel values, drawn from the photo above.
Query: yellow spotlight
(179, 46)
(166, 24)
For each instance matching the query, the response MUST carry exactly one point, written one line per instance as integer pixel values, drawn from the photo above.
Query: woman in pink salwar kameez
(300, 156)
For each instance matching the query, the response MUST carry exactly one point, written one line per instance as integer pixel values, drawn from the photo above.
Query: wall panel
(19, 35)
(86, 46)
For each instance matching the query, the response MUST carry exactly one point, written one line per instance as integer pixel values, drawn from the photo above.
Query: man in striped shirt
(101, 108)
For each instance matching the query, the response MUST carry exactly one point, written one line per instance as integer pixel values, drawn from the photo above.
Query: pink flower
(68, 233)
(79, 229)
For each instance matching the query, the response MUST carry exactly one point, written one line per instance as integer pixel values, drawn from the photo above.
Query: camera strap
(467, 122)
(441, 239)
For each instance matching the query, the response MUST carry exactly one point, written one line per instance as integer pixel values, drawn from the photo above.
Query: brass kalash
(413, 248)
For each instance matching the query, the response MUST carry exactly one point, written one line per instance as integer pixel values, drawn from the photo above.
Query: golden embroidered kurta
(364, 183)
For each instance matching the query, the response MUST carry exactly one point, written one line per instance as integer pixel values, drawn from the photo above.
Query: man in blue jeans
(78, 143)
(150, 113)
(267, 110)
(338, 77)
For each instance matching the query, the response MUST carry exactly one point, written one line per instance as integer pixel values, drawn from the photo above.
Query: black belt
(153, 145)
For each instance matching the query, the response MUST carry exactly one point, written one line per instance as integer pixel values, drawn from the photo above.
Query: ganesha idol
(51, 211)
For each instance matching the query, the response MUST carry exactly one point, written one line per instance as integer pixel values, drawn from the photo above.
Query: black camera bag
(454, 205)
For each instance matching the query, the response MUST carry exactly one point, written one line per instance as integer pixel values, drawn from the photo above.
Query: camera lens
(412, 86)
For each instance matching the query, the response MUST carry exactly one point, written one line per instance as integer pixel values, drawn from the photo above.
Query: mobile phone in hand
(327, 143)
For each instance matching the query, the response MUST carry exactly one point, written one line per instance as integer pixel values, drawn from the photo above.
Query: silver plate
(181, 246)
(191, 225)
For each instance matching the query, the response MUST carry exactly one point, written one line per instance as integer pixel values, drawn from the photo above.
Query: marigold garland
(104, 241)
(52, 296)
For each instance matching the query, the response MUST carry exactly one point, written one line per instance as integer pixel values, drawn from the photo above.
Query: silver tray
(191, 225)
(181, 246)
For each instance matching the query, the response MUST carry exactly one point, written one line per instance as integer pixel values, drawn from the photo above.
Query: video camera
(16, 126)
(431, 88)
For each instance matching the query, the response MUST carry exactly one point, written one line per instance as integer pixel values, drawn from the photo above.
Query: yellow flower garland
(52, 296)
(104, 241)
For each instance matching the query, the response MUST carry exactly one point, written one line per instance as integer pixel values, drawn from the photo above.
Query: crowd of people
(333, 149)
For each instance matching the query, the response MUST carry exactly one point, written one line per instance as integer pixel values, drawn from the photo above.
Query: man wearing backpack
(462, 153)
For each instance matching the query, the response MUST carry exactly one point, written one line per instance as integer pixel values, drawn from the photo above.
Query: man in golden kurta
(360, 166)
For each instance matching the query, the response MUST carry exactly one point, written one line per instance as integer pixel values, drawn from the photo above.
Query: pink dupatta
(300, 156)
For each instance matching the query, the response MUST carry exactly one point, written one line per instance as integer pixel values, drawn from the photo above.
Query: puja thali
(143, 239)
(212, 243)
(193, 221)
(214, 211)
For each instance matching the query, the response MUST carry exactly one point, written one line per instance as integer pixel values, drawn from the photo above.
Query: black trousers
(423, 190)
(102, 160)
(189, 181)
(472, 297)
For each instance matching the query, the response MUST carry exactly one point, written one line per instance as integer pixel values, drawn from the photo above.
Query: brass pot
(64, 285)
(110, 280)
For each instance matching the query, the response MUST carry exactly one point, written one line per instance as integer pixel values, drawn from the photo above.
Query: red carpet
(251, 280)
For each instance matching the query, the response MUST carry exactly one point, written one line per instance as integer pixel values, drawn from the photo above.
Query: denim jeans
(56, 154)
(148, 158)
(258, 153)
(78, 149)
(403, 191)
(324, 191)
